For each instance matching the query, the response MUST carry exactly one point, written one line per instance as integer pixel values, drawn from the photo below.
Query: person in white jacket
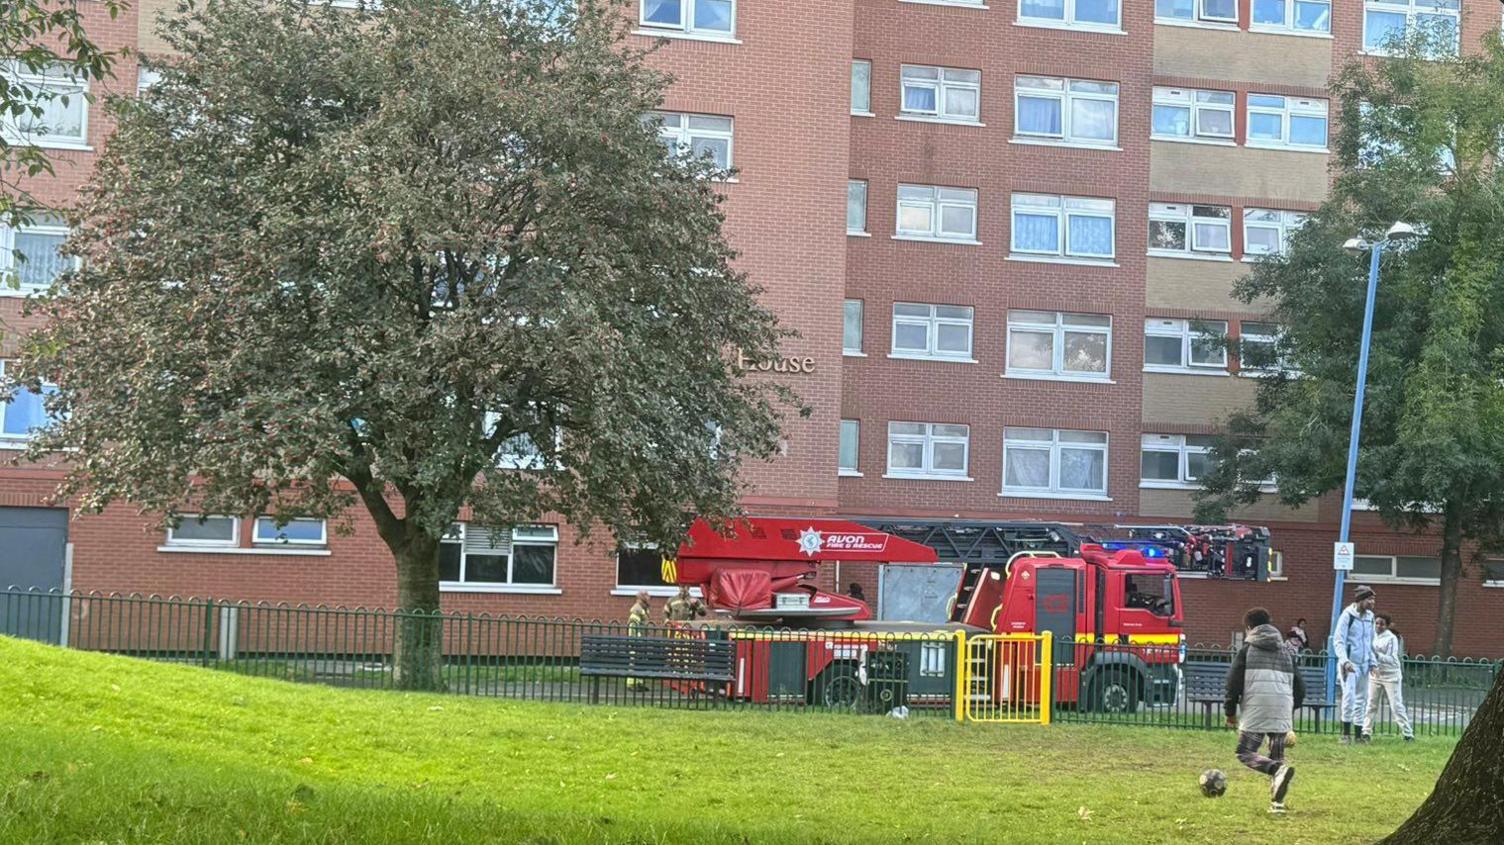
(1386, 676)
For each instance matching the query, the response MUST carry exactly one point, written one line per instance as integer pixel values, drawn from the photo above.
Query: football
(1213, 783)
(1290, 739)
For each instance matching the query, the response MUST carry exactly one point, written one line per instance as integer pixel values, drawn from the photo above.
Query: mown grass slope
(106, 749)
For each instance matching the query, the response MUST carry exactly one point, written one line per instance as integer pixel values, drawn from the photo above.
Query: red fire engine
(760, 572)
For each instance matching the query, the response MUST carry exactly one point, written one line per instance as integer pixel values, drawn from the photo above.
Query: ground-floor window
(474, 555)
(639, 566)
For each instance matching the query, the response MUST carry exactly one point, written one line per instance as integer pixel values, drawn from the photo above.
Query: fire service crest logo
(812, 542)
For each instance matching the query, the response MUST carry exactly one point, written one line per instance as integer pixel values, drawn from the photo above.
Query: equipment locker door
(913, 592)
(1055, 610)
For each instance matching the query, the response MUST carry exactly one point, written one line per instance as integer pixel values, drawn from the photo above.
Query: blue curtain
(1036, 233)
(1039, 115)
(1090, 235)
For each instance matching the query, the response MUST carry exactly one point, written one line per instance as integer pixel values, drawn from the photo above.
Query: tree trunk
(1467, 805)
(1451, 573)
(418, 655)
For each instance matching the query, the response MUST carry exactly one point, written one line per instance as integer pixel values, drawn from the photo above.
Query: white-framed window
(297, 532)
(1188, 113)
(22, 413)
(1096, 14)
(198, 530)
(848, 457)
(1258, 346)
(473, 555)
(1292, 16)
(639, 566)
(1183, 229)
(1054, 462)
(928, 450)
(1174, 460)
(1276, 564)
(943, 93)
(1072, 111)
(933, 212)
(1181, 345)
(851, 326)
(1224, 12)
(62, 100)
(145, 79)
(1296, 122)
(31, 255)
(861, 87)
(716, 18)
(1050, 344)
(1493, 572)
(1267, 231)
(1387, 20)
(856, 206)
(1413, 568)
(696, 136)
(921, 330)
(1074, 227)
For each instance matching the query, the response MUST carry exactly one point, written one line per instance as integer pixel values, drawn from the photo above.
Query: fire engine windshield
(1151, 591)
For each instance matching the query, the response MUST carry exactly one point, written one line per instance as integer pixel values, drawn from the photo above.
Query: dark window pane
(449, 561)
(1418, 567)
(487, 569)
(639, 568)
(533, 564)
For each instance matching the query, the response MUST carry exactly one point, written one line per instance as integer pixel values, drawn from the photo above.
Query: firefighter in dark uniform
(683, 607)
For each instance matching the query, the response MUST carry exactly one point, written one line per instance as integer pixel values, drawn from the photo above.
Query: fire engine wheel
(1115, 692)
(837, 688)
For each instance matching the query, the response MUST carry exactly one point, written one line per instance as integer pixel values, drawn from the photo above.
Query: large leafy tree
(1420, 140)
(40, 39)
(342, 256)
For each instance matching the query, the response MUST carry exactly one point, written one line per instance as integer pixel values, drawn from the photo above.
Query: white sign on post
(1342, 556)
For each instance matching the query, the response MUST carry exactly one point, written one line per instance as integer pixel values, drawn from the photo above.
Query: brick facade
(784, 79)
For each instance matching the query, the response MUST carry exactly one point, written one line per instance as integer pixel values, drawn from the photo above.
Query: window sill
(1206, 142)
(1167, 485)
(1294, 33)
(899, 356)
(1189, 256)
(851, 234)
(1069, 497)
(916, 477)
(1074, 26)
(687, 36)
(863, 114)
(657, 591)
(1287, 148)
(847, 353)
(1069, 145)
(1186, 371)
(981, 6)
(512, 589)
(1494, 585)
(948, 121)
(1223, 26)
(848, 473)
(71, 146)
(241, 550)
(18, 293)
(1360, 578)
(13, 445)
(1055, 259)
(924, 240)
(1254, 259)
(1052, 377)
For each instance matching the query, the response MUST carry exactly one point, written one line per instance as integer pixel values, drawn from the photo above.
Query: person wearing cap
(1352, 642)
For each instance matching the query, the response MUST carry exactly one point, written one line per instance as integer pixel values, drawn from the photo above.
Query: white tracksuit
(1388, 677)
(1353, 644)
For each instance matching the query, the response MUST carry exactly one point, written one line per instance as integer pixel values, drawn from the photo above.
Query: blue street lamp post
(1397, 233)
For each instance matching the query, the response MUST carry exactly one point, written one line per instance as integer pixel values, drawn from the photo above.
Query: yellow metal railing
(1004, 678)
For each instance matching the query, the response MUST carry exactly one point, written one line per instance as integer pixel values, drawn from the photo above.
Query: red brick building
(1048, 202)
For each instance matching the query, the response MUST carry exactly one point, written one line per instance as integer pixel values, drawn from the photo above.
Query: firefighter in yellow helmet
(637, 624)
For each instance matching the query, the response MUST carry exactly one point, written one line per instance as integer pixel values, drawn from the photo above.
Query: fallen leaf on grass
(611, 776)
(306, 761)
(1084, 814)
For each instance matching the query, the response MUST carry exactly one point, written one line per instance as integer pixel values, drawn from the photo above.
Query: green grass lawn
(106, 749)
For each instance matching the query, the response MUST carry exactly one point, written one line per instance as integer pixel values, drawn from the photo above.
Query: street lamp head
(1354, 246)
(1402, 231)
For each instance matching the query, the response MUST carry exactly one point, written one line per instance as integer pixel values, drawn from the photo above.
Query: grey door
(915, 592)
(1055, 609)
(33, 543)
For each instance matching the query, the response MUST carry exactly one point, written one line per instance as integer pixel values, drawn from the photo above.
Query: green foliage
(338, 255)
(40, 37)
(113, 749)
(1419, 143)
